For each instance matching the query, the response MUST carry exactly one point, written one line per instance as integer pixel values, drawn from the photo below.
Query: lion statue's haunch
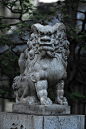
(43, 65)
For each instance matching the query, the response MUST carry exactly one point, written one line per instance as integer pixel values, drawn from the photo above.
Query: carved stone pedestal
(54, 109)
(25, 121)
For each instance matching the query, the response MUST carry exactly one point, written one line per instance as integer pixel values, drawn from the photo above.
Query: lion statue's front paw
(61, 101)
(45, 101)
(65, 101)
(29, 100)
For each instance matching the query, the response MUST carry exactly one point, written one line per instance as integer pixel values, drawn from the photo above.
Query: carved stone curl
(43, 65)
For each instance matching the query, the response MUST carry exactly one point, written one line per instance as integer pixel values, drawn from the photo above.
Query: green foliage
(37, 15)
(79, 38)
(9, 63)
(4, 40)
(74, 96)
(18, 5)
(67, 15)
(2, 91)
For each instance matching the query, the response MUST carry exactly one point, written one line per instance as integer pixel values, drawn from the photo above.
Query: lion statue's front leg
(41, 88)
(59, 92)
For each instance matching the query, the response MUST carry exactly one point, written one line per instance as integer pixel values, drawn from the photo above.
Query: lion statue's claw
(46, 101)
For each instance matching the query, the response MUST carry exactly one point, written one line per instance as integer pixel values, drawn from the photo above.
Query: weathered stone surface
(64, 122)
(43, 65)
(24, 121)
(20, 121)
(54, 109)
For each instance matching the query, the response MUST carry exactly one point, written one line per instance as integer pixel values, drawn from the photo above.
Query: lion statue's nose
(45, 40)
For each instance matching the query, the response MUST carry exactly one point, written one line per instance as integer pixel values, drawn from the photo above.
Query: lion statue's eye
(59, 35)
(37, 31)
(41, 33)
(34, 43)
(55, 32)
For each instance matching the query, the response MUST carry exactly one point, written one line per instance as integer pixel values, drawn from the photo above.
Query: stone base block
(54, 109)
(25, 121)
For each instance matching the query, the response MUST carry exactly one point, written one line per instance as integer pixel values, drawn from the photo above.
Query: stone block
(64, 122)
(25, 121)
(20, 121)
(54, 109)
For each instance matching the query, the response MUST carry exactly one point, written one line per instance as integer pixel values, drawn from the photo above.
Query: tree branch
(77, 19)
(2, 17)
(75, 69)
(77, 10)
(15, 53)
(20, 17)
(14, 24)
(83, 63)
(11, 8)
(8, 25)
(4, 97)
(84, 83)
(4, 79)
(84, 22)
(5, 72)
(82, 74)
(5, 88)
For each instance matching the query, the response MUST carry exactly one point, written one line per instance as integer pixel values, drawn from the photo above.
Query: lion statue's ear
(29, 44)
(35, 27)
(60, 26)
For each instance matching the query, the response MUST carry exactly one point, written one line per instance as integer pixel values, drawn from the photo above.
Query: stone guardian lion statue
(43, 65)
